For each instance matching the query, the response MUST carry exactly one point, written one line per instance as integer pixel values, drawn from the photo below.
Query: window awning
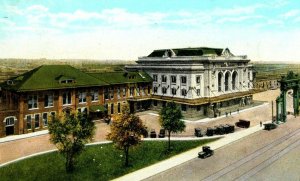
(97, 108)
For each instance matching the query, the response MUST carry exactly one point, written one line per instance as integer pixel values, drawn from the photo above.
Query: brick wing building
(28, 100)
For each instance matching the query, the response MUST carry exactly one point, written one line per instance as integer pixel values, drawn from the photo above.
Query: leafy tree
(70, 134)
(170, 119)
(126, 130)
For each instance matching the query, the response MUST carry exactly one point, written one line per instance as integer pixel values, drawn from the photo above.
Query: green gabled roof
(47, 77)
(122, 77)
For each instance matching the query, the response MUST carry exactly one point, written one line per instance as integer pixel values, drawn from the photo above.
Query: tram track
(252, 156)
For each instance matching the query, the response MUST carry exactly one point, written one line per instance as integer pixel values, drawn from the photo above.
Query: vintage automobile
(153, 134)
(206, 152)
(162, 133)
(198, 132)
(210, 131)
(229, 128)
(243, 123)
(270, 126)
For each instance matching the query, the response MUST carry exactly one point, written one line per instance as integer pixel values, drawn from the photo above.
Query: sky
(264, 30)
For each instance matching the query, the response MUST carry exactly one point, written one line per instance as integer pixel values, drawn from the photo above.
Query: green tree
(170, 119)
(126, 130)
(70, 134)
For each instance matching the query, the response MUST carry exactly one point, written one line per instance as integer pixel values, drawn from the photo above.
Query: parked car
(230, 128)
(243, 123)
(153, 134)
(206, 152)
(198, 132)
(209, 131)
(270, 126)
(162, 133)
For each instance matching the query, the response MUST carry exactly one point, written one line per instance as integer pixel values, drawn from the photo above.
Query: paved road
(249, 158)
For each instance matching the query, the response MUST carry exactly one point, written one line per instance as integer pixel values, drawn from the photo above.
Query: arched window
(234, 80)
(227, 75)
(220, 75)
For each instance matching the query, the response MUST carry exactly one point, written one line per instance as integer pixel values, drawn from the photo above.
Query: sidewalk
(186, 156)
(220, 117)
(23, 136)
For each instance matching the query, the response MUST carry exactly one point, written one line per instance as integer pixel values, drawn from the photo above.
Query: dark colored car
(219, 130)
(230, 128)
(243, 123)
(270, 126)
(153, 134)
(206, 152)
(198, 132)
(162, 133)
(210, 131)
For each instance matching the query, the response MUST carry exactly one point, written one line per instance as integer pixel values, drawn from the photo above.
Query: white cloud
(238, 19)
(7, 22)
(291, 13)
(37, 8)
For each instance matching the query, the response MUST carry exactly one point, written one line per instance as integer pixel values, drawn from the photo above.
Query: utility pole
(272, 112)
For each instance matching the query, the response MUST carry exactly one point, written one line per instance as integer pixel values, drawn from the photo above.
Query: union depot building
(202, 81)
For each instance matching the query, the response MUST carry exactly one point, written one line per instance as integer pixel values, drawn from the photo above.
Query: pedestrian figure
(238, 110)
(230, 112)
(260, 124)
(226, 114)
(219, 113)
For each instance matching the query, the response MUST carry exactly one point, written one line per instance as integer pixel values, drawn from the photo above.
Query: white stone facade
(211, 74)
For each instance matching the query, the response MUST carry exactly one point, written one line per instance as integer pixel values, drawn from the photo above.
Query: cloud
(238, 19)
(7, 22)
(37, 8)
(291, 13)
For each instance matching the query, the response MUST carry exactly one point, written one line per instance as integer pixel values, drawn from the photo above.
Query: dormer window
(65, 80)
(68, 81)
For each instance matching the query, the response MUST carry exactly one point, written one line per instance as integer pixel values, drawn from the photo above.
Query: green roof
(198, 51)
(47, 77)
(122, 77)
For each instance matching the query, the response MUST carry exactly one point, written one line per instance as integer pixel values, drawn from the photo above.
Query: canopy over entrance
(97, 108)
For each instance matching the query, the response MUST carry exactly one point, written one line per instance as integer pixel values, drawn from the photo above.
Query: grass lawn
(100, 162)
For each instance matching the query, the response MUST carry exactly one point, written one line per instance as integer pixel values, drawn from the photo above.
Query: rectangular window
(164, 90)
(112, 109)
(106, 93)
(94, 95)
(67, 98)
(131, 91)
(28, 121)
(36, 121)
(82, 97)
(111, 93)
(53, 114)
(183, 80)
(183, 92)
(119, 92)
(198, 108)
(163, 78)
(198, 79)
(45, 119)
(155, 89)
(154, 78)
(183, 107)
(198, 92)
(48, 101)
(32, 102)
(154, 102)
(119, 107)
(174, 91)
(173, 79)
(124, 91)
